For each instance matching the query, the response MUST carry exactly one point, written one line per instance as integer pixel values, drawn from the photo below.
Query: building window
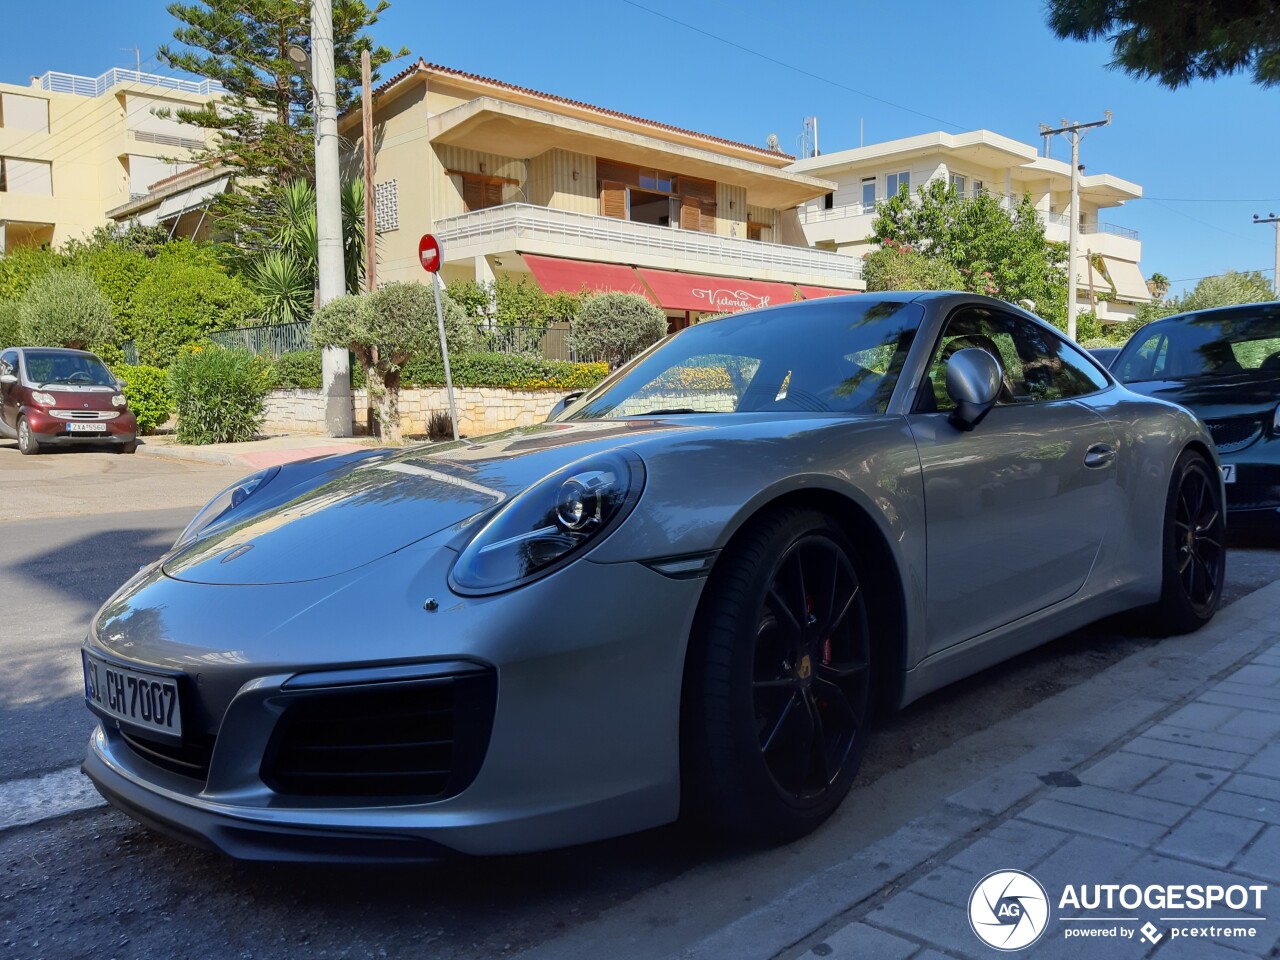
(479, 191)
(958, 184)
(978, 189)
(868, 193)
(386, 207)
(24, 113)
(829, 202)
(899, 181)
(641, 195)
(33, 177)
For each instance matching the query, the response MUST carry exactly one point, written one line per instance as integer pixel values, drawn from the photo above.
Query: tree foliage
(1178, 41)
(386, 329)
(65, 308)
(1225, 290)
(898, 267)
(999, 252)
(614, 327)
(263, 129)
(507, 302)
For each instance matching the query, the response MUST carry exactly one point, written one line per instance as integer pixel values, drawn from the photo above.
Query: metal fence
(271, 340)
(550, 342)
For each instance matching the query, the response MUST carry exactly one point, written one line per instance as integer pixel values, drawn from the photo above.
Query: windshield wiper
(666, 412)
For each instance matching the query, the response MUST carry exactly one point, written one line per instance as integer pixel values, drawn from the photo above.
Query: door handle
(1099, 455)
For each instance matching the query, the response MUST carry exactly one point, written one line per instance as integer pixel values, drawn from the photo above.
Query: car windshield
(72, 369)
(1215, 344)
(836, 356)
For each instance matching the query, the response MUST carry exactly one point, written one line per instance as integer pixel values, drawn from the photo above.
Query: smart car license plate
(87, 427)
(141, 700)
(1228, 473)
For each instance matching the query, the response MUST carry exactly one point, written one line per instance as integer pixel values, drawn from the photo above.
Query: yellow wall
(552, 183)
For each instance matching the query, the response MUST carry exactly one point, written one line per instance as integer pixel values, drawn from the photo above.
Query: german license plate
(87, 427)
(1228, 473)
(142, 700)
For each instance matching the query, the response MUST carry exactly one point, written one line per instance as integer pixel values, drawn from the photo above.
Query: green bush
(218, 394)
(65, 308)
(185, 296)
(22, 266)
(300, 370)
(616, 326)
(147, 390)
(9, 336)
(899, 267)
(504, 370)
(117, 271)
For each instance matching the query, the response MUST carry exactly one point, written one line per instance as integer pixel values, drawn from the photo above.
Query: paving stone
(1266, 763)
(1085, 860)
(1210, 740)
(1095, 823)
(1253, 786)
(1252, 724)
(1123, 804)
(1240, 805)
(1183, 783)
(1014, 843)
(1261, 691)
(1226, 699)
(1187, 753)
(1257, 674)
(1262, 859)
(949, 884)
(923, 919)
(1187, 948)
(1157, 869)
(1123, 770)
(859, 940)
(1201, 716)
(1209, 837)
(998, 792)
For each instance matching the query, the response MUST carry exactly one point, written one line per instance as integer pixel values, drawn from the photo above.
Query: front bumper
(1256, 490)
(585, 735)
(54, 431)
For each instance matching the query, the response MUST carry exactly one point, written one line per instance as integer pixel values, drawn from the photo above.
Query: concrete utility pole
(336, 364)
(1075, 133)
(1272, 218)
(366, 117)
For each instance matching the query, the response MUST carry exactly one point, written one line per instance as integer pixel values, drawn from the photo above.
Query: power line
(1213, 199)
(790, 66)
(1212, 275)
(1203, 223)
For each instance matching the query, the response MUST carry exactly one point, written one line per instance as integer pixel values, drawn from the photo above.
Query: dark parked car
(683, 595)
(1224, 365)
(51, 396)
(1104, 355)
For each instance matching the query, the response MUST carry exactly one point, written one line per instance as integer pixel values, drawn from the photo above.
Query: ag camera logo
(1008, 910)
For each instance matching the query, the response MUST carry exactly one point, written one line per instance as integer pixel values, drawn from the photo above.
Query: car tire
(28, 445)
(1194, 559)
(130, 447)
(777, 682)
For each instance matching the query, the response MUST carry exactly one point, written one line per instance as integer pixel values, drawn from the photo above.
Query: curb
(188, 454)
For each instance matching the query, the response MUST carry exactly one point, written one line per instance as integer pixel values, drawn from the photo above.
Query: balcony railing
(96, 86)
(845, 210)
(523, 221)
(1110, 228)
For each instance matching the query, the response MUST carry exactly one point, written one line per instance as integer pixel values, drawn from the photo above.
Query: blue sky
(1206, 155)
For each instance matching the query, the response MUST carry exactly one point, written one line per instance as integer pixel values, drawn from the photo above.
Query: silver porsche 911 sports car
(683, 595)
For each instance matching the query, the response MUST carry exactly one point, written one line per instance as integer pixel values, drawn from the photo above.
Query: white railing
(80, 86)
(1126, 232)
(810, 215)
(523, 221)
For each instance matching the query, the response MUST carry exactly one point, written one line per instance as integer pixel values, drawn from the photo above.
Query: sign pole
(444, 353)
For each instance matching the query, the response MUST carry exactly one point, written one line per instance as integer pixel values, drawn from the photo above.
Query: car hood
(1215, 398)
(384, 503)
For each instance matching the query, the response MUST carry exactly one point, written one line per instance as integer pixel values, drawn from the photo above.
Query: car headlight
(549, 524)
(224, 502)
(42, 398)
(118, 400)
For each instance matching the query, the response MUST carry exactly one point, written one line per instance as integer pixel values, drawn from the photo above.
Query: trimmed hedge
(147, 390)
(301, 370)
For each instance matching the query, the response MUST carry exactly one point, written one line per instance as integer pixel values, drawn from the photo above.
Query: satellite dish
(773, 143)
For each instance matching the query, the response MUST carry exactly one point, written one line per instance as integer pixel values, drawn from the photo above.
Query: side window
(1148, 362)
(9, 362)
(1038, 364)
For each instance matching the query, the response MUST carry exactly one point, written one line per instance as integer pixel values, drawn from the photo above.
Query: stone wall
(481, 410)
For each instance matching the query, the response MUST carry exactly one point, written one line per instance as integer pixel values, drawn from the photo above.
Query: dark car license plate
(142, 700)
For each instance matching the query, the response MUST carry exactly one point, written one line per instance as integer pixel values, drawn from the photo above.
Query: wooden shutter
(690, 213)
(707, 216)
(613, 199)
(493, 193)
(472, 193)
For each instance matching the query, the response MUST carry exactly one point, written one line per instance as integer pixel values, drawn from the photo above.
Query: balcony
(852, 222)
(525, 228)
(79, 86)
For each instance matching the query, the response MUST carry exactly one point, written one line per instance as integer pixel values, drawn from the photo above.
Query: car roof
(1216, 313)
(67, 350)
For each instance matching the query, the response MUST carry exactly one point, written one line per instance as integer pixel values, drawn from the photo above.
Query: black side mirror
(974, 378)
(562, 403)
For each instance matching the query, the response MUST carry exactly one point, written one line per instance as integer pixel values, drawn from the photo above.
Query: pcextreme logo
(1008, 910)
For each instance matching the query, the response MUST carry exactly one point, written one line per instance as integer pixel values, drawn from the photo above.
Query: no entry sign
(429, 254)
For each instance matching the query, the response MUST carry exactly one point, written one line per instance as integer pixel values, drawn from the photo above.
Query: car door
(1017, 507)
(9, 391)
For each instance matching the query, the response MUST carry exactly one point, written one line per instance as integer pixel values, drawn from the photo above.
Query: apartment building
(518, 182)
(1107, 266)
(73, 148)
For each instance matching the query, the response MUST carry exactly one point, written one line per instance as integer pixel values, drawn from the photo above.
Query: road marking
(41, 798)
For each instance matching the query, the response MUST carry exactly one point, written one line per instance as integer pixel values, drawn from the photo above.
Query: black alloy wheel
(1194, 557)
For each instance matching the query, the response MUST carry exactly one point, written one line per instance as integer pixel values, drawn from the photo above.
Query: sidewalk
(255, 454)
(1190, 797)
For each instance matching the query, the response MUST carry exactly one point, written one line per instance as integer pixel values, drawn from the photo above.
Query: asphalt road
(94, 884)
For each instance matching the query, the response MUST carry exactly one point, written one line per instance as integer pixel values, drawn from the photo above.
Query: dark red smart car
(51, 396)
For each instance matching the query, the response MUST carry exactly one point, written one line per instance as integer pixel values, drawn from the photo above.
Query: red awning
(692, 291)
(816, 293)
(554, 274)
